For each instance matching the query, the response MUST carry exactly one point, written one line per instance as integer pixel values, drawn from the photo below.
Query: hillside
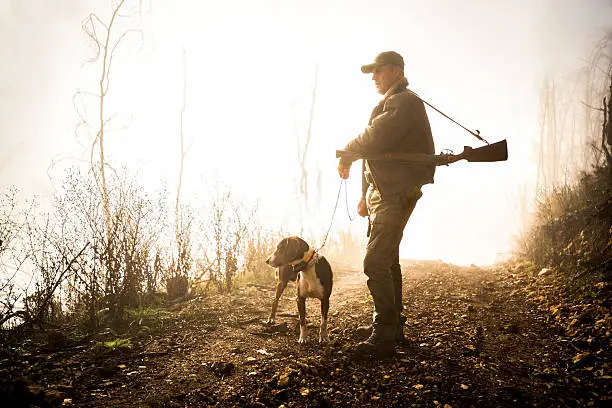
(477, 337)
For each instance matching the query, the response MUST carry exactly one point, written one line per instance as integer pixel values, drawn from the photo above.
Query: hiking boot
(399, 332)
(379, 345)
(363, 332)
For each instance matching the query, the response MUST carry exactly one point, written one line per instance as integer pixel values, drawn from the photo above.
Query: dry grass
(572, 226)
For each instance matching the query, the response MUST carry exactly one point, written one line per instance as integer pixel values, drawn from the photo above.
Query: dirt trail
(474, 340)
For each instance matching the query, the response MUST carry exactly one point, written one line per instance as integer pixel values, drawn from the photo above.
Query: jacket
(399, 123)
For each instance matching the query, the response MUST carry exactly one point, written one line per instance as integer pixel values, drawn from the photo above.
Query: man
(398, 124)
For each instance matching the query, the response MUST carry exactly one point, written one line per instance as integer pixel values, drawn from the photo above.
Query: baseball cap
(384, 58)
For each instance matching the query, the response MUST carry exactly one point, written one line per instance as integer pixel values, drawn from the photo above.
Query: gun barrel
(401, 157)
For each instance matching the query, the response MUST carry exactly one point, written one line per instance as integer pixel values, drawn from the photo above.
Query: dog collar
(309, 256)
(310, 259)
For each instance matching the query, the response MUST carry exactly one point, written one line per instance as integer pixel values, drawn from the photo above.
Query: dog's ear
(302, 246)
(292, 248)
(284, 244)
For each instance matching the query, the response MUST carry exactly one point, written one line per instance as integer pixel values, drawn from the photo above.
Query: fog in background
(250, 73)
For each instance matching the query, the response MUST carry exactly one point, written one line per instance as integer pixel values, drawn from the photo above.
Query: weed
(148, 316)
(102, 348)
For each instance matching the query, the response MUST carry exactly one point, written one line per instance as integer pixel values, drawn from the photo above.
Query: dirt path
(474, 340)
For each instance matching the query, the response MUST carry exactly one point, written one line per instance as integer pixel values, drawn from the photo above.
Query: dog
(296, 261)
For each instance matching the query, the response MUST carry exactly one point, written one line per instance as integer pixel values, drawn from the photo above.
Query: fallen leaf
(283, 380)
(544, 272)
(580, 356)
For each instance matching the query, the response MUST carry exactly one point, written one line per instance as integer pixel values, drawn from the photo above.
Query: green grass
(102, 348)
(152, 317)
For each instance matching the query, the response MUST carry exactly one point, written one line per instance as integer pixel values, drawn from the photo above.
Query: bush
(177, 287)
(573, 225)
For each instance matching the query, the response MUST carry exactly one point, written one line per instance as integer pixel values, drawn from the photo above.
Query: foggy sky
(494, 51)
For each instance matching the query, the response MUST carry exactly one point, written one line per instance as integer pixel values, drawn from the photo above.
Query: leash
(348, 213)
(342, 181)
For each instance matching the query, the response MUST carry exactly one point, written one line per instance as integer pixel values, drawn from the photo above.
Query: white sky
(250, 73)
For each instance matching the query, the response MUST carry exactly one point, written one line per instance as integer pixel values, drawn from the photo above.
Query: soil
(481, 337)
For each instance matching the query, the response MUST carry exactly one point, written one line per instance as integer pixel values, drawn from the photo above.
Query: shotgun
(491, 153)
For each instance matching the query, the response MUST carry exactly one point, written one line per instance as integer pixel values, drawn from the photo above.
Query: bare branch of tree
(182, 157)
(58, 281)
(304, 175)
(112, 53)
(591, 106)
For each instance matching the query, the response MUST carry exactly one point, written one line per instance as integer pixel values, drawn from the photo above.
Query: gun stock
(491, 153)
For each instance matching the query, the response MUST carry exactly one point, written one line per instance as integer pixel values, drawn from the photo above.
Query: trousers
(388, 218)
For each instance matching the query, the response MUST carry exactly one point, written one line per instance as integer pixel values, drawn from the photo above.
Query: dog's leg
(323, 330)
(280, 287)
(301, 303)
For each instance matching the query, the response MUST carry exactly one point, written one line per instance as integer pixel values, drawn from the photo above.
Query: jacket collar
(396, 87)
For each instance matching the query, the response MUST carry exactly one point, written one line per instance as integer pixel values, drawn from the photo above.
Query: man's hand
(343, 171)
(362, 208)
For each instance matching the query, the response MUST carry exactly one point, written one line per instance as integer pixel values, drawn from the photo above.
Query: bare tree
(11, 258)
(227, 230)
(182, 221)
(303, 151)
(121, 278)
(571, 120)
(606, 128)
(598, 72)
(105, 41)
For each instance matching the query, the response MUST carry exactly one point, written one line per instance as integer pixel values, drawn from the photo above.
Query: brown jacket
(398, 123)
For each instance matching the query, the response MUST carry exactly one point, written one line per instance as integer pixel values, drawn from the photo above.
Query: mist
(249, 75)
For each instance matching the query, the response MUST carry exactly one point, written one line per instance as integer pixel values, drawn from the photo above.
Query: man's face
(385, 76)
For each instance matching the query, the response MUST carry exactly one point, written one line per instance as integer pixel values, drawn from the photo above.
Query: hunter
(390, 191)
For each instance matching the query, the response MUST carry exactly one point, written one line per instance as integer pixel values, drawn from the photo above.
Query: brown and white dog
(295, 260)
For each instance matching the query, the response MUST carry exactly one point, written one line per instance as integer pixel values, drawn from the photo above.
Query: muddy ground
(497, 337)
